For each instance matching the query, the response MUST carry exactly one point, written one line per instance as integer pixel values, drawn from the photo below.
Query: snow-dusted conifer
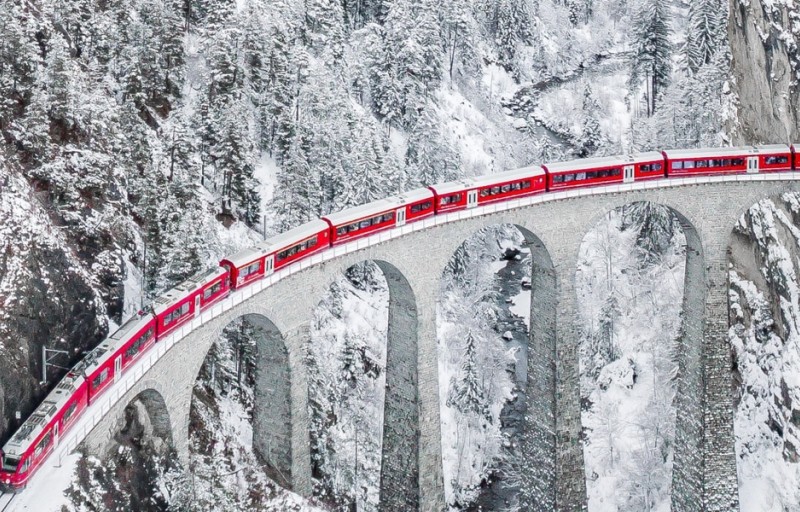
(466, 391)
(591, 137)
(652, 50)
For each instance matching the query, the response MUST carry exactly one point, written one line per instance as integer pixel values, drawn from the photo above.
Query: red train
(40, 433)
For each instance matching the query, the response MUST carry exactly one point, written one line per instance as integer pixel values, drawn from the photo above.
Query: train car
(774, 158)
(605, 170)
(392, 212)
(245, 266)
(460, 195)
(293, 245)
(41, 432)
(188, 299)
(690, 162)
(506, 185)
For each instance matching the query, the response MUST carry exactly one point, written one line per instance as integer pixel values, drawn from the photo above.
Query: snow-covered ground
(630, 313)
(765, 338)
(476, 377)
(347, 358)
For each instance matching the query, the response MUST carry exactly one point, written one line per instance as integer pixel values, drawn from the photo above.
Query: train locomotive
(99, 369)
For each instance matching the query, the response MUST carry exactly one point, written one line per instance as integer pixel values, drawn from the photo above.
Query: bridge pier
(721, 492)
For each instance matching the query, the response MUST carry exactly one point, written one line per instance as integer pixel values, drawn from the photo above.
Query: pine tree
(429, 157)
(652, 50)
(591, 137)
(705, 33)
(466, 392)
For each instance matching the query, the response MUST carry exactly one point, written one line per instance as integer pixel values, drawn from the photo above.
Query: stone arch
(399, 485)
(272, 411)
(146, 417)
(272, 422)
(400, 448)
(690, 400)
(536, 440)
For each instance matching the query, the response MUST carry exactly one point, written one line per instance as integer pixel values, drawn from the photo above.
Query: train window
(505, 188)
(69, 412)
(250, 269)
(558, 178)
(776, 160)
(526, 184)
(738, 161)
(580, 176)
(100, 378)
(10, 463)
(701, 164)
(569, 177)
(171, 317)
(421, 207)
(352, 227)
(388, 216)
(43, 443)
(365, 223)
(137, 345)
(451, 199)
(716, 163)
(212, 290)
(688, 164)
(341, 231)
(677, 165)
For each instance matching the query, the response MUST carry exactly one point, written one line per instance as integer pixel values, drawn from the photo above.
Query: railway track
(5, 501)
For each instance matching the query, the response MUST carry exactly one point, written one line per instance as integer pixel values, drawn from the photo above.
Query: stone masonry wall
(705, 476)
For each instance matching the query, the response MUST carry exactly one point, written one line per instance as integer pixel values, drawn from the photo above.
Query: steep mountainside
(765, 65)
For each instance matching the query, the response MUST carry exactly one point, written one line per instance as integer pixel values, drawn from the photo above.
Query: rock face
(763, 37)
(46, 298)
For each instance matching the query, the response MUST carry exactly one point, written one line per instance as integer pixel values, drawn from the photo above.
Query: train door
(117, 368)
(401, 217)
(627, 174)
(269, 264)
(752, 164)
(472, 198)
(197, 305)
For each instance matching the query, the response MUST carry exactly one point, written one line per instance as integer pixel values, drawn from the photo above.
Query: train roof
(604, 161)
(711, 152)
(377, 207)
(33, 427)
(515, 174)
(184, 289)
(453, 186)
(288, 238)
(243, 257)
(773, 148)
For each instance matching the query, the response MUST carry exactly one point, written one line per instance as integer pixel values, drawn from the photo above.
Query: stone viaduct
(413, 259)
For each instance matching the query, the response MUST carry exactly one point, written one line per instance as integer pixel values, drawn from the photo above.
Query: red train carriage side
(690, 162)
(41, 432)
(244, 267)
(468, 193)
(510, 184)
(295, 244)
(452, 196)
(185, 301)
(367, 219)
(774, 158)
(604, 170)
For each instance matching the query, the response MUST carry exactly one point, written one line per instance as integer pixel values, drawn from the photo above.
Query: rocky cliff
(765, 70)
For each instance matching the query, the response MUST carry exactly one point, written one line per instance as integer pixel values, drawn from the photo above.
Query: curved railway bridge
(413, 258)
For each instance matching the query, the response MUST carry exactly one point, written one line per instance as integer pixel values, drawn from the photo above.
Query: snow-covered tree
(591, 136)
(652, 50)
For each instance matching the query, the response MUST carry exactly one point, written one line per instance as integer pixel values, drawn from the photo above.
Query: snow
(764, 333)
(45, 493)
(627, 376)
